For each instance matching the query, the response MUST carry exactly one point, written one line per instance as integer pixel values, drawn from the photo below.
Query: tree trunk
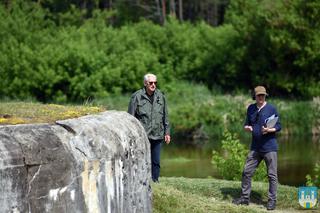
(173, 8)
(164, 14)
(215, 13)
(180, 10)
(84, 5)
(159, 11)
(7, 4)
(109, 4)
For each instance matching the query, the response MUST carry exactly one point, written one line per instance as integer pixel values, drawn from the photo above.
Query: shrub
(315, 180)
(231, 160)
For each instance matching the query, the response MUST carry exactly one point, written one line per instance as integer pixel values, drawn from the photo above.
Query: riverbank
(212, 195)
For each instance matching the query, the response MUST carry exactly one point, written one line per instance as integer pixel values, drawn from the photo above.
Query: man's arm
(132, 105)
(247, 125)
(166, 124)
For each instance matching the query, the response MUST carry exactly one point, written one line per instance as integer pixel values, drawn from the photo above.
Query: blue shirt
(257, 119)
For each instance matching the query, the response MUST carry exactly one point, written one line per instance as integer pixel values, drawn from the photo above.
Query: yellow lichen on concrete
(11, 120)
(22, 113)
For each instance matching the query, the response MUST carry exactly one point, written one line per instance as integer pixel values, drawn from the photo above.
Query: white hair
(147, 76)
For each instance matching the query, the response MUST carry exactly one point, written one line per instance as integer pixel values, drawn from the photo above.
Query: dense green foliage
(69, 56)
(51, 62)
(280, 44)
(314, 179)
(231, 160)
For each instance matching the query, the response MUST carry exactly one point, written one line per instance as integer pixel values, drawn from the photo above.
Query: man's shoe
(241, 201)
(155, 181)
(271, 205)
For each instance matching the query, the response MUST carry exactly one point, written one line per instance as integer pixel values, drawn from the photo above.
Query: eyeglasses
(152, 82)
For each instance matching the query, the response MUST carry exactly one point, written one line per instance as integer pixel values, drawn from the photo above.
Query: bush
(314, 180)
(231, 160)
(280, 44)
(75, 54)
(57, 58)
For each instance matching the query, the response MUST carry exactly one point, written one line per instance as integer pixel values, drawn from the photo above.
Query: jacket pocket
(142, 108)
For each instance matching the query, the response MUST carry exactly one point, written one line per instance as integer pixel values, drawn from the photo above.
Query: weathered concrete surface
(96, 163)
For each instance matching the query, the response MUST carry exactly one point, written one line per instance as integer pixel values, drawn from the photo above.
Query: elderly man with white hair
(149, 106)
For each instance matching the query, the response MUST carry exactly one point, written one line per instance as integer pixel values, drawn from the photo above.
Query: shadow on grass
(255, 197)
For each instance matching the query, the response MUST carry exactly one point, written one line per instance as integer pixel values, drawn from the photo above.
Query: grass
(177, 195)
(29, 112)
(179, 160)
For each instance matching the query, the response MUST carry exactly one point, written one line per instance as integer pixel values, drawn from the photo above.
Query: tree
(173, 8)
(164, 13)
(280, 44)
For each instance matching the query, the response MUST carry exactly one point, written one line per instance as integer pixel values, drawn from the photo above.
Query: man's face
(260, 99)
(151, 84)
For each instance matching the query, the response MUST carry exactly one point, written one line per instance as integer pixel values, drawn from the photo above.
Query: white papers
(271, 121)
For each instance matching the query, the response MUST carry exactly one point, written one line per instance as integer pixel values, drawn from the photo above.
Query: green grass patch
(213, 195)
(179, 160)
(29, 112)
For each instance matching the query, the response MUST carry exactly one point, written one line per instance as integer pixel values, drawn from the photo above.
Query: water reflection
(296, 158)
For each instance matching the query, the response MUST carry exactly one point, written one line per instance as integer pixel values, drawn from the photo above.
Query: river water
(296, 158)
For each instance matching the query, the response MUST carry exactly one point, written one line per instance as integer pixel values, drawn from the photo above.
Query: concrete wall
(96, 163)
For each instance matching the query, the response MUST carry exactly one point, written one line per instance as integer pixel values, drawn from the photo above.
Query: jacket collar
(260, 108)
(145, 95)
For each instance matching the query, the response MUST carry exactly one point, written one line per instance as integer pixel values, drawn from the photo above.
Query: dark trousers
(155, 159)
(252, 162)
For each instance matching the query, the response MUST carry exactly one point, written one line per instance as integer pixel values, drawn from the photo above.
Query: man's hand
(167, 139)
(248, 128)
(266, 130)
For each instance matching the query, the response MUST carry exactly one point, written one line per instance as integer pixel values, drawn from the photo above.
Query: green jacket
(153, 116)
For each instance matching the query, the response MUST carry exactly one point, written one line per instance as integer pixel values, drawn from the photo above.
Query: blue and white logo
(308, 197)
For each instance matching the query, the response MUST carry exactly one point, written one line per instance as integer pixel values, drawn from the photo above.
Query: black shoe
(271, 205)
(241, 201)
(155, 181)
